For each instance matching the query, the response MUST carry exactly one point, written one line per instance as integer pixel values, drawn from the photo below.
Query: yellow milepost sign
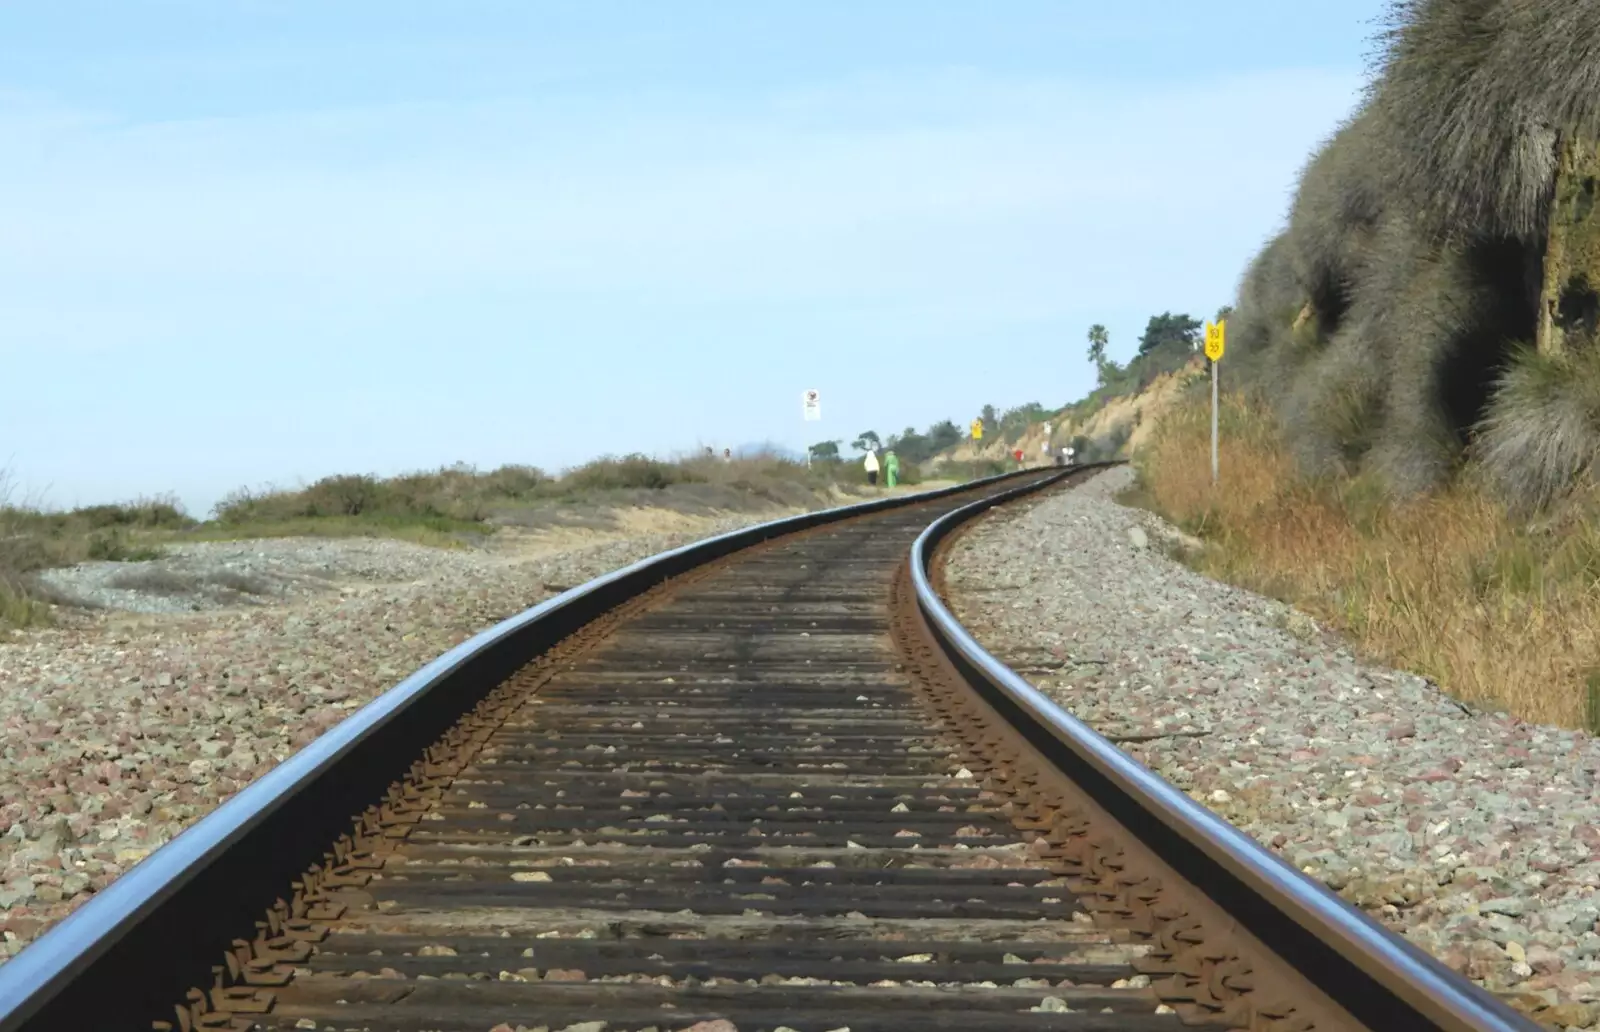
(977, 429)
(1216, 334)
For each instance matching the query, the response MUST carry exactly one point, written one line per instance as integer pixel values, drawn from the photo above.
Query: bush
(1542, 436)
(155, 513)
(632, 472)
(113, 546)
(515, 481)
(349, 495)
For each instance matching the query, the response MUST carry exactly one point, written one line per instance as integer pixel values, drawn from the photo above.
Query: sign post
(977, 429)
(811, 411)
(1216, 341)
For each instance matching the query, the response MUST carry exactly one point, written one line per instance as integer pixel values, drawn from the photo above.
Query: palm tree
(1098, 339)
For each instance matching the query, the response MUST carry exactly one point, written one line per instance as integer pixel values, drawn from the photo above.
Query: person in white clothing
(872, 467)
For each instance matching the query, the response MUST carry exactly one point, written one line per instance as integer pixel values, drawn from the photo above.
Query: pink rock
(1545, 960)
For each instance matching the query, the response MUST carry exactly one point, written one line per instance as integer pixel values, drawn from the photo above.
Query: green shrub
(630, 472)
(155, 513)
(112, 545)
(346, 495)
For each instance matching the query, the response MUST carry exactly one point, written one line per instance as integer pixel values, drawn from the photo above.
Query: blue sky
(260, 241)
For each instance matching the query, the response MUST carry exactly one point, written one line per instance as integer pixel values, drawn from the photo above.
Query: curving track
(775, 790)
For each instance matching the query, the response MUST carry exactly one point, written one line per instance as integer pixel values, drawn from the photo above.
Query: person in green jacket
(891, 463)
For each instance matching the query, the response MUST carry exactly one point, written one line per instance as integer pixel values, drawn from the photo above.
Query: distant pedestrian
(727, 455)
(1018, 456)
(871, 463)
(1044, 449)
(891, 464)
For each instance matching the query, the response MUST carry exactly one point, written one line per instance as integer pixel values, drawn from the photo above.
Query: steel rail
(1382, 979)
(158, 930)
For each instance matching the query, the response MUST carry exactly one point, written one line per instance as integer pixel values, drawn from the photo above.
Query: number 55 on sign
(1216, 334)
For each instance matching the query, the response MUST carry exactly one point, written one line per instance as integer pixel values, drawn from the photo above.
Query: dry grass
(1499, 612)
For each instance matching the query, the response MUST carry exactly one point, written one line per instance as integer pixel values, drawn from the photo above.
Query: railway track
(764, 783)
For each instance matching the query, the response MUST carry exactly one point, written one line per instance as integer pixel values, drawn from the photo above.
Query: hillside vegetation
(446, 507)
(1431, 308)
(1112, 420)
(1413, 425)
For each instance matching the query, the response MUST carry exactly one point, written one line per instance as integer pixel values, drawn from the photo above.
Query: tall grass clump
(1475, 98)
(1542, 434)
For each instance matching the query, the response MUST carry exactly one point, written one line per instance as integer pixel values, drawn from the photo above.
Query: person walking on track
(871, 464)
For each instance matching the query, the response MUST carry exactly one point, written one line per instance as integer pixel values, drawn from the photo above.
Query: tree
(1098, 339)
(825, 451)
(1105, 369)
(911, 446)
(1014, 422)
(867, 440)
(990, 419)
(1224, 312)
(943, 434)
(1110, 371)
(1170, 331)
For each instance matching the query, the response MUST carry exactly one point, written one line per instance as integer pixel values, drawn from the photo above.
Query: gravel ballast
(121, 729)
(1475, 835)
